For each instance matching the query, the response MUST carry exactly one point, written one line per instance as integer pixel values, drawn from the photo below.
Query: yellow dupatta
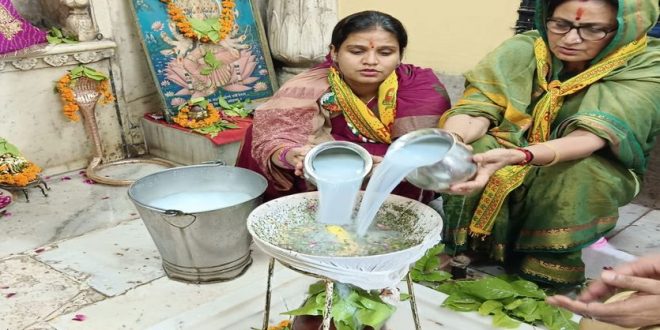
(510, 177)
(359, 115)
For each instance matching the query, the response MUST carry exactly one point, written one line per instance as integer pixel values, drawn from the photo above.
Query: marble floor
(82, 259)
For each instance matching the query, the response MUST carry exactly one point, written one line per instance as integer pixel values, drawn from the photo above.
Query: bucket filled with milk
(197, 216)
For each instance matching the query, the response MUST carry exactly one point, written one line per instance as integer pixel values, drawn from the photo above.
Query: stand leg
(43, 192)
(413, 303)
(25, 193)
(271, 266)
(45, 184)
(327, 313)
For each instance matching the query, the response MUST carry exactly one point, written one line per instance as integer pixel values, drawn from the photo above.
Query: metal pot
(210, 244)
(335, 147)
(455, 166)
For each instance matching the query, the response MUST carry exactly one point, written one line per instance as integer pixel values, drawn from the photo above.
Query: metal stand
(329, 289)
(39, 183)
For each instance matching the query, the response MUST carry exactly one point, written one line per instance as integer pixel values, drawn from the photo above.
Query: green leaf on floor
(509, 299)
(352, 308)
(427, 269)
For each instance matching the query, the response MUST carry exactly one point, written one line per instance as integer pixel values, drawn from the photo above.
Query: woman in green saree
(561, 120)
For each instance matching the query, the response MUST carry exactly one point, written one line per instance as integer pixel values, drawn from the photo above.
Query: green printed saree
(539, 218)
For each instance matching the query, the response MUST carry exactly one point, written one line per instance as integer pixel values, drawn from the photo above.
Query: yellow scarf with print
(359, 115)
(511, 177)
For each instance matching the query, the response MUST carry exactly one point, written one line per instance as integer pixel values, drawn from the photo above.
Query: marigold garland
(283, 325)
(21, 179)
(226, 21)
(64, 88)
(183, 120)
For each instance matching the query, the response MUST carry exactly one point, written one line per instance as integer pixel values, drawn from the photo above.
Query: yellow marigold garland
(226, 21)
(182, 117)
(64, 88)
(21, 179)
(286, 324)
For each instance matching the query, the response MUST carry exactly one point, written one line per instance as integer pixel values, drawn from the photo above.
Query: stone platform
(185, 148)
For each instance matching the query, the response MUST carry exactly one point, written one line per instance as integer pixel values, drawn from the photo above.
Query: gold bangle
(555, 159)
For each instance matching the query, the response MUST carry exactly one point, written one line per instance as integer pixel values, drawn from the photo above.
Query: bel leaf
(77, 70)
(214, 36)
(311, 307)
(223, 103)
(461, 302)
(527, 289)
(53, 40)
(211, 60)
(489, 288)
(206, 71)
(200, 25)
(490, 307)
(501, 320)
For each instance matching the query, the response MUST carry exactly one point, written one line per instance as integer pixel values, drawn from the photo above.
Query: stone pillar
(78, 22)
(299, 33)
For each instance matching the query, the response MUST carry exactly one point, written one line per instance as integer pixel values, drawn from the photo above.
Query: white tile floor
(83, 250)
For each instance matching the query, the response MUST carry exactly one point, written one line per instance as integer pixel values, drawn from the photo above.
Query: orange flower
(280, 326)
(70, 107)
(183, 120)
(226, 20)
(21, 179)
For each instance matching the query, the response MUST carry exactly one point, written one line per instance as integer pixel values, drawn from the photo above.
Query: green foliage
(8, 148)
(212, 63)
(216, 128)
(208, 27)
(84, 71)
(352, 308)
(236, 109)
(55, 36)
(509, 299)
(426, 269)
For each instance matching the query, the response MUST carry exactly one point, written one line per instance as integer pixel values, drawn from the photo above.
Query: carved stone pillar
(299, 33)
(79, 23)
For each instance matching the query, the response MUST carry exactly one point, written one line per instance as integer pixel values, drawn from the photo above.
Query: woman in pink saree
(361, 93)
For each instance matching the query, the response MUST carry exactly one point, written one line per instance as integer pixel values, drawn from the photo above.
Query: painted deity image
(235, 65)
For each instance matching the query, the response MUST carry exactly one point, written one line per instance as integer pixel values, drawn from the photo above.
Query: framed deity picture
(205, 48)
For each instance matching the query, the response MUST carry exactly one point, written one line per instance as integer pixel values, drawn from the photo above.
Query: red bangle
(529, 156)
(282, 157)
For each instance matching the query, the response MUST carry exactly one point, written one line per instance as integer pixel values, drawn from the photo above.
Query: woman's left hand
(487, 164)
(376, 160)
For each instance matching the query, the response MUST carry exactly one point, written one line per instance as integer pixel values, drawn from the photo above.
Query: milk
(194, 202)
(394, 167)
(339, 174)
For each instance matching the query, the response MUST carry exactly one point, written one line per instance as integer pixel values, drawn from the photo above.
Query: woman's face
(367, 57)
(589, 14)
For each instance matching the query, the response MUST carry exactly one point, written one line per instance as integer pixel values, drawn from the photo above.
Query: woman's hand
(641, 309)
(296, 157)
(376, 160)
(487, 164)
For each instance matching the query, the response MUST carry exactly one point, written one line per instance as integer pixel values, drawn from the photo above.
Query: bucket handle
(177, 213)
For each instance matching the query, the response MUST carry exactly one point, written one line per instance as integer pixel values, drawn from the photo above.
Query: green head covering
(634, 17)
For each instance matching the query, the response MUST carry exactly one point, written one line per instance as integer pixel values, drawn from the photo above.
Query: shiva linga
(275, 225)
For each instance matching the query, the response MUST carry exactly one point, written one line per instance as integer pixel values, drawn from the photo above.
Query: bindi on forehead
(371, 44)
(579, 13)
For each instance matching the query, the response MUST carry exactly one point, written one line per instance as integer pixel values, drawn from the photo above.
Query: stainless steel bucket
(206, 246)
